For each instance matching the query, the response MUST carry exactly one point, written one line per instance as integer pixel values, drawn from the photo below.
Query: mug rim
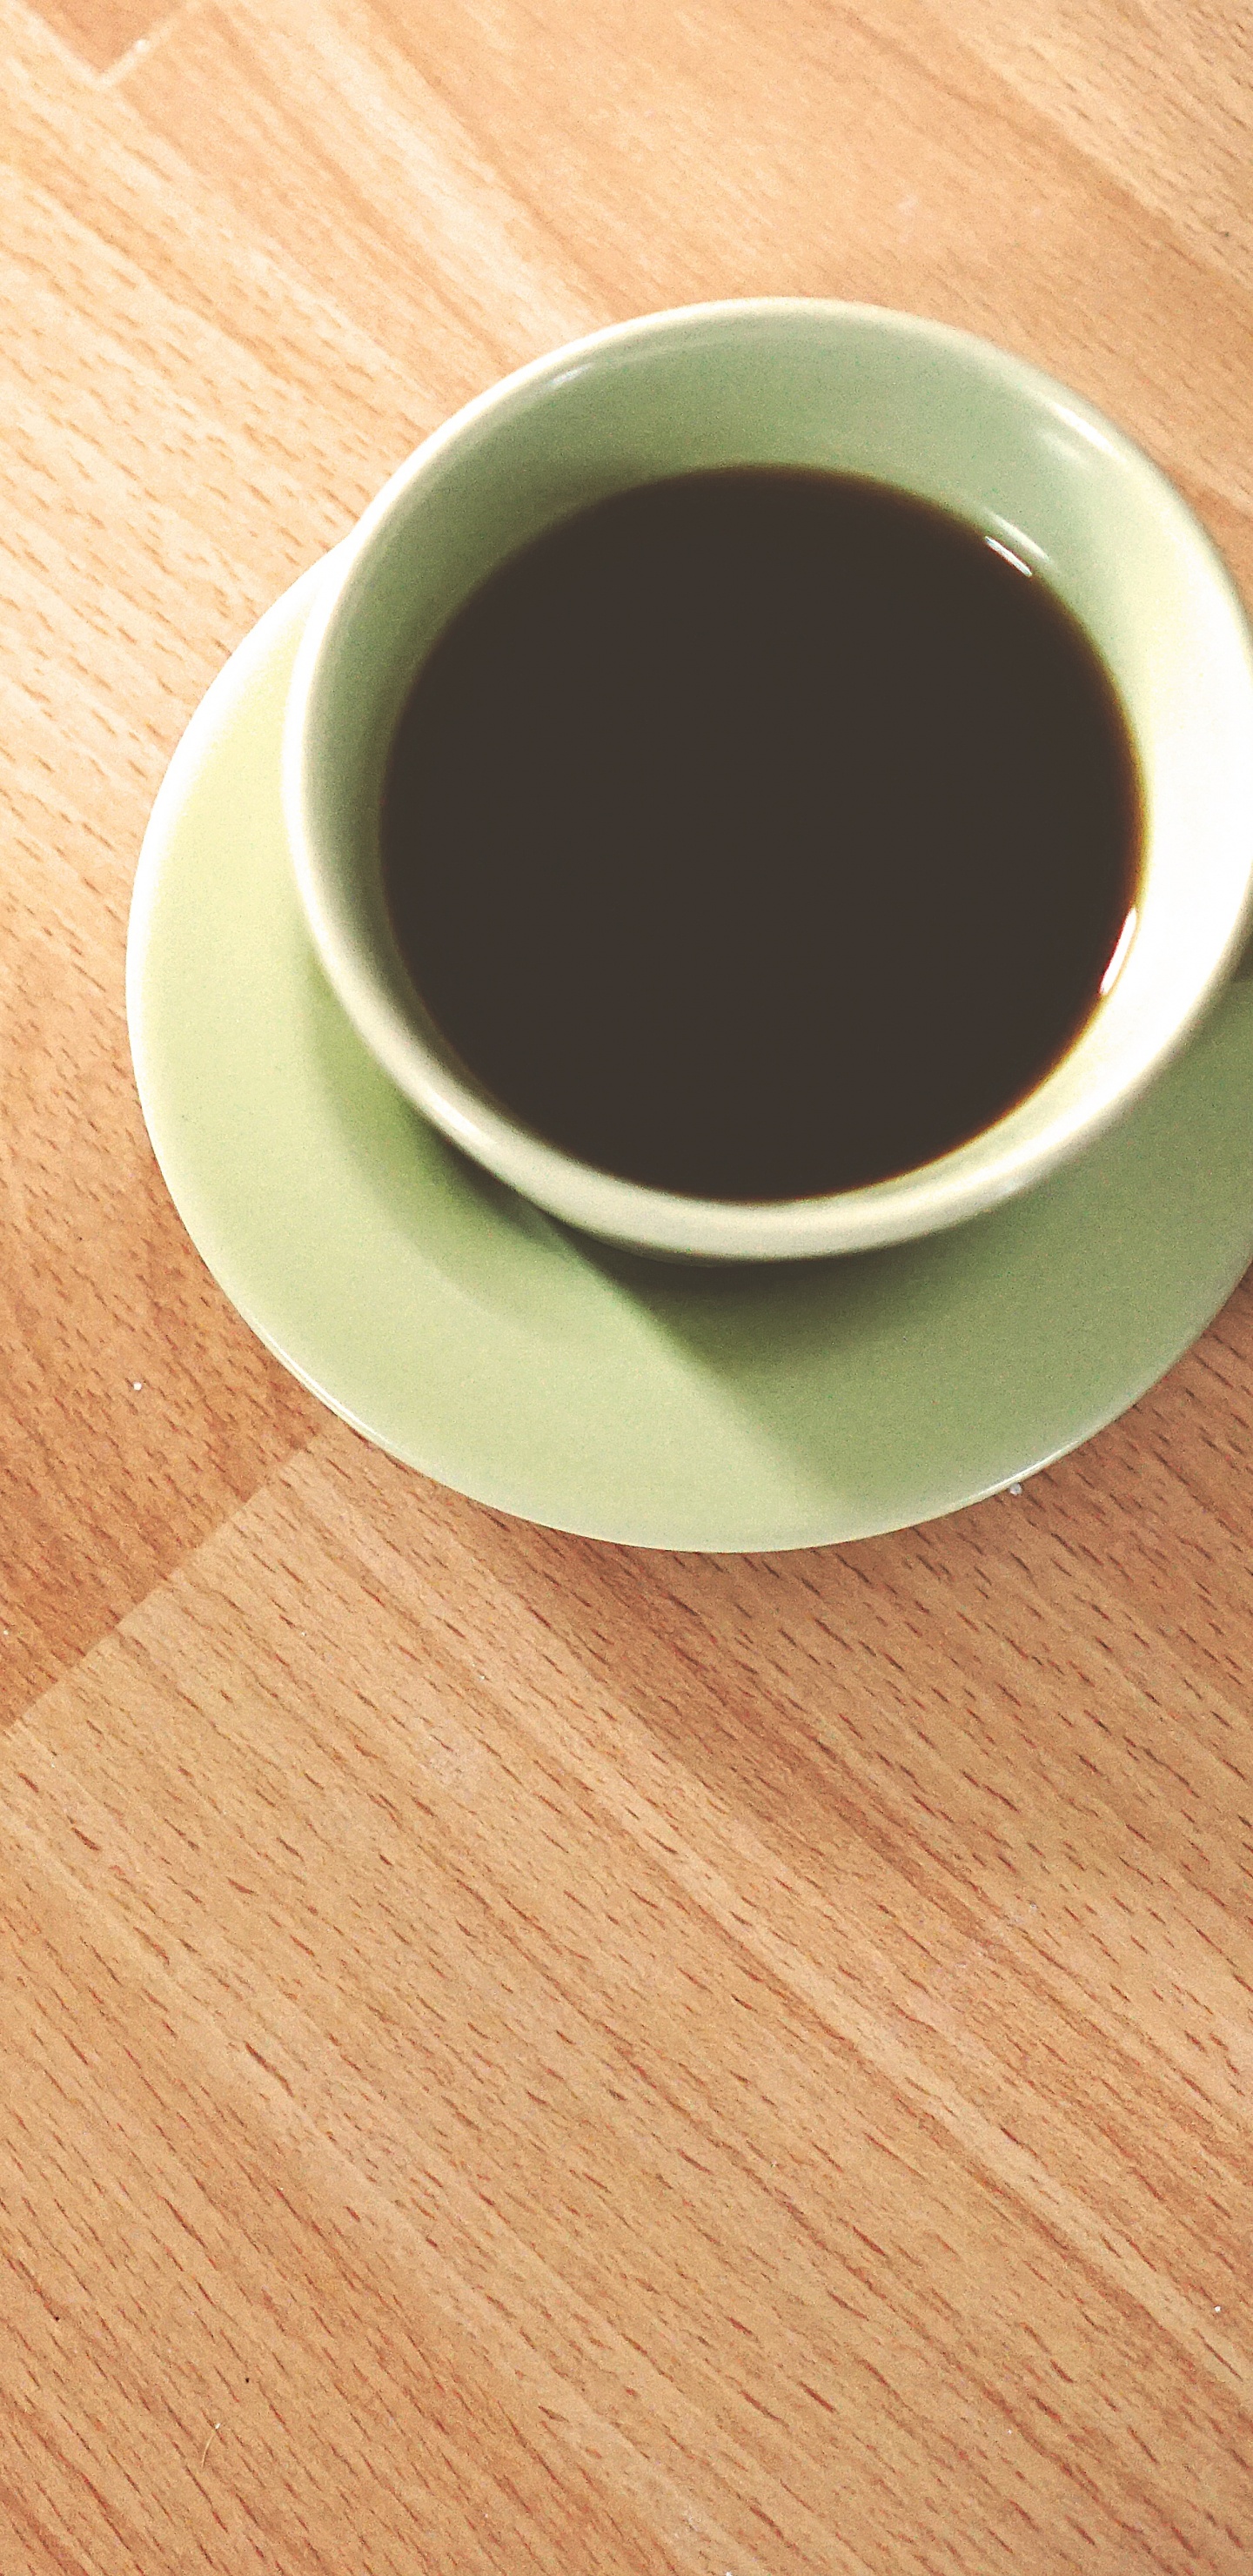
(930, 1197)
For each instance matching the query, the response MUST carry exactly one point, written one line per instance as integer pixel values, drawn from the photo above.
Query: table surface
(520, 2054)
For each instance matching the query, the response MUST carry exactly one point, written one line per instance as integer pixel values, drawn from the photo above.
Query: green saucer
(781, 1407)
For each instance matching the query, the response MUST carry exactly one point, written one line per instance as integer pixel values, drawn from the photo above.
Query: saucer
(791, 1405)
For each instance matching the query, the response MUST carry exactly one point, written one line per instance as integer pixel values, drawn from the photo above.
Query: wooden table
(520, 2054)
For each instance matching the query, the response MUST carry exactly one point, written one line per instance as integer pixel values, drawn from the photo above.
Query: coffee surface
(760, 833)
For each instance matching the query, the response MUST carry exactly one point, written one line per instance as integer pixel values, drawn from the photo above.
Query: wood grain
(103, 32)
(521, 2054)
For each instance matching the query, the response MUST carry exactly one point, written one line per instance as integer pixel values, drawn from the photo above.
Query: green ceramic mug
(862, 391)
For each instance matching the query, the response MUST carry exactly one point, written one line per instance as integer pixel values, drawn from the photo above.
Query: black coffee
(761, 832)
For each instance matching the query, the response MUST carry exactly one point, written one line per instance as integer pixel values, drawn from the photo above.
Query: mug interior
(849, 388)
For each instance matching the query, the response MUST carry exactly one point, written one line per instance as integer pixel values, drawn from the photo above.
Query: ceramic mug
(862, 391)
